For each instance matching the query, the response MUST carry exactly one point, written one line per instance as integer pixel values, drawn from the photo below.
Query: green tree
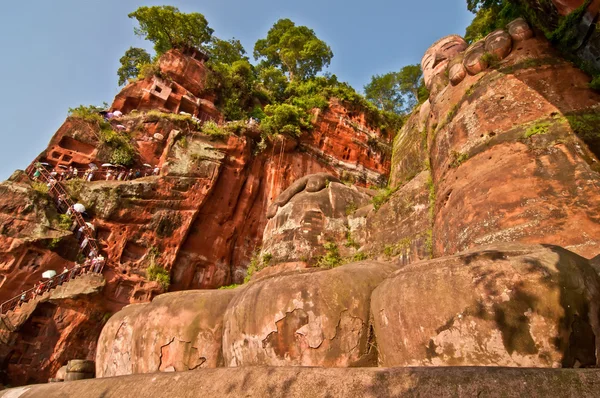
(397, 92)
(168, 28)
(273, 82)
(489, 16)
(131, 62)
(384, 93)
(409, 81)
(295, 49)
(476, 5)
(285, 119)
(234, 86)
(226, 51)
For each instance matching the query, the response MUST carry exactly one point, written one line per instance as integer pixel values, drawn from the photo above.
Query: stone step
(331, 382)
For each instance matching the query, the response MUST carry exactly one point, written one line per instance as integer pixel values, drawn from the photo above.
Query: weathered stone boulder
(498, 43)
(473, 59)
(305, 318)
(308, 214)
(456, 70)
(175, 332)
(519, 30)
(504, 305)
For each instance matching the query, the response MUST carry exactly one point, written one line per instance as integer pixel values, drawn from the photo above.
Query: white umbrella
(62, 166)
(108, 165)
(90, 226)
(147, 165)
(45, 164)
(79, 208)
(49, 274)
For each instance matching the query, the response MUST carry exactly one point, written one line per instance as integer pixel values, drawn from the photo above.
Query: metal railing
(65, 205)
(44, 287)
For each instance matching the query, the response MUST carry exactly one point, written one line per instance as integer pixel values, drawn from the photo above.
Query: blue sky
(62, 53)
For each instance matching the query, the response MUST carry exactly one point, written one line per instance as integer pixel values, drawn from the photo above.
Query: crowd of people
(93, 265)
(94, 261)
(109, 173)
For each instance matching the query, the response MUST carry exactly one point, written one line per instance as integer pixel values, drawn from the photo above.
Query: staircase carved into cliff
(65, 205)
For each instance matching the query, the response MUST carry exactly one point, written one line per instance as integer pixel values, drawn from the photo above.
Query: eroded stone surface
(175, 332)
(308, 318)
(313, 211)
(511, 305)
(436, 58)
(297, 382)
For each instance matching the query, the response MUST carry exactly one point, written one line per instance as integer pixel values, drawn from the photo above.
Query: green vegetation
(89, 113)
(266, 258)
(121, 148)
(64, 222)
(119, 144)
(331, 258)
(429, 242)
(148, 70)
(281, 91)
(159, 274)
(53, 243)
(565, 34)
(257, 263)
(214, 130)
(489, 16)
(383, 196)
(495, 14)
(286, 119)
(350, 242)
(40, 187)
(399, 248)
(229, 287)
(131, 63)
(295, 50)
(168, 28)
(491, 60)
(360, 256)
(351, 209)
(585, 125)
(397, 92)
(537, 128)
(156, 272)
(458, 158)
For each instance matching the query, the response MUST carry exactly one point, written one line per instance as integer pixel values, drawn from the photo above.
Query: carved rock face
(505, 305)
(311, 212)
(498, 43)
(519, 30)
(473, 58)
(176, 332)
(436, 58)
(456, 70)
(309, 318)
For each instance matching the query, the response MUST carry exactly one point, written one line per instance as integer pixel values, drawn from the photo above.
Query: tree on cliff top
(169, 28)
(131, 63)
(295, 49)
(226, 51)
(397, 92)
(489, 16)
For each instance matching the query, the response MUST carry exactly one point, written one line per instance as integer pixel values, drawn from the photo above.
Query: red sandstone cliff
(502, 155)
(201, 219)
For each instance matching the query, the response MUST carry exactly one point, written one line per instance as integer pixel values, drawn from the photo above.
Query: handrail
(60, 196)
(39, 290)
